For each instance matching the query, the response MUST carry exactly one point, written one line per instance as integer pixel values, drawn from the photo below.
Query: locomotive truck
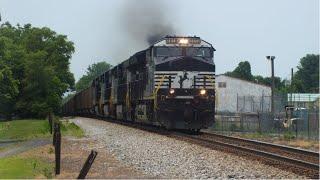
(169, 84)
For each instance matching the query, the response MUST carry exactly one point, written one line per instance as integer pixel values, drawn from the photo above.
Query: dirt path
(15, 148)
(74, 153)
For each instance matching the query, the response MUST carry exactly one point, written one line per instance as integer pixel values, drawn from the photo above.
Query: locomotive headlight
(203, 92)
(171, 91)
(183, 41)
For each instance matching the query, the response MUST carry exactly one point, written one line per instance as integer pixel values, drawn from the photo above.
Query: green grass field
(24, 129)
(19, 167)
(24, 168)
(29, 129)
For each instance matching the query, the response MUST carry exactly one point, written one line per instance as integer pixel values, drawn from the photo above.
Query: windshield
(198, 52)
(183, 51)
(168, 51)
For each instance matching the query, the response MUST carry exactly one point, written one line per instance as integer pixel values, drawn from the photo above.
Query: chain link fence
(293, 117)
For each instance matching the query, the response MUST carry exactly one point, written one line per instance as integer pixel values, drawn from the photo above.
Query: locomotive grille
(184, 79)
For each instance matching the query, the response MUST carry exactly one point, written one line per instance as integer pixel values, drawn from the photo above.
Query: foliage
(24, 129)
(38, 59)
(71, 129)
(8, 91)
(242, 71)
(306, 79)
(92, 72)
(278, 83)
(67, 97)
(29, 129)
(21, 168)
(288, 135)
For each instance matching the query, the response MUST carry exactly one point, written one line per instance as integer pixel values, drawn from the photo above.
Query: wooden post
(57, 146)
(50, 118)
(55, 126)
(87, 165)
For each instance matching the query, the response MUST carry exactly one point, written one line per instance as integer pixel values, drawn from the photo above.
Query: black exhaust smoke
(146, 21)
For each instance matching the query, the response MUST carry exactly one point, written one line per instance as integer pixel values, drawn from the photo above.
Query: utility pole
(271, 58)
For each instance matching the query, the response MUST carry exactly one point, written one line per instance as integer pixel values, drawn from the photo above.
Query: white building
(237, 95)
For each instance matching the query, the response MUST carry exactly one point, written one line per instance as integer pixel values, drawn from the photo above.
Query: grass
(24, 129)
(304, 144)
(71, 129)
(18, 167)
(287, 138)
(255, 135)
(29, 129)
(31, 166)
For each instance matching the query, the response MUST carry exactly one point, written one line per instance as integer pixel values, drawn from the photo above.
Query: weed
(47, 173)
(233, 127)
(50, 151)
(288, 135)
(34, 164)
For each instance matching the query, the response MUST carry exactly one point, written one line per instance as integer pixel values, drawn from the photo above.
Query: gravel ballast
(160, 156)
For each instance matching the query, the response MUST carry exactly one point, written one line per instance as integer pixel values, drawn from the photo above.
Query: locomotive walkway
(164, 157)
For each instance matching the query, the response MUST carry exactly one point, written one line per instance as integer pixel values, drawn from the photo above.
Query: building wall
(236, 95)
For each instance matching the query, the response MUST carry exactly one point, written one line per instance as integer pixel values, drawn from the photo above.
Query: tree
(8, 91)
(92, 72)
(278, 83)
(242, 71)
(42, 90)
(306, 79)
(39, 60)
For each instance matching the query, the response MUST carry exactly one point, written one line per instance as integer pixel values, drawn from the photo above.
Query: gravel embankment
(160, 156)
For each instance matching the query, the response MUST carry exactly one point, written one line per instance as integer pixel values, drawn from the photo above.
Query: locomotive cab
(184, 80)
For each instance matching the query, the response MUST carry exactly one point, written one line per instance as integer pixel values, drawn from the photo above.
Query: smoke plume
(146, 21)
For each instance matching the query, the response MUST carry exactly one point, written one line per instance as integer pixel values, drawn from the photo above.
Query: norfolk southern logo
(183, 78)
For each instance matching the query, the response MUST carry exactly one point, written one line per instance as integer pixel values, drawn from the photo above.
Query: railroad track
(310, 157)
(298, 161)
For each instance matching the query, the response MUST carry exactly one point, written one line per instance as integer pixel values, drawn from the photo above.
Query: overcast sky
(238, 29)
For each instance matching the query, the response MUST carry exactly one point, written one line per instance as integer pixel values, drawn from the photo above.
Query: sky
(238, 29)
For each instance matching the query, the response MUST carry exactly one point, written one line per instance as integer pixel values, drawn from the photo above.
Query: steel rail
(266, 144)
(303, 164)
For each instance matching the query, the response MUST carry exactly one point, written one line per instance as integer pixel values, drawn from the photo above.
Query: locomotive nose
(190, 115)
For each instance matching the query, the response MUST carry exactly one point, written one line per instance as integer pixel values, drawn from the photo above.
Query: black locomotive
(170, 84)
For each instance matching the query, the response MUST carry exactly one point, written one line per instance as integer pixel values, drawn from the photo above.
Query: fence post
(57, 146)
(50, 121)
(87, 165)
(259, 121)
(244, 103)
(55, 126)
(309, 106)
(237, 103)
(297, 122)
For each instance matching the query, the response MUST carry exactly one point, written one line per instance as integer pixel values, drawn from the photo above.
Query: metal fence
(253, 115)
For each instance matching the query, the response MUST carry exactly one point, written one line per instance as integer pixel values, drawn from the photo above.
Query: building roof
(303, 97)
(252, 82)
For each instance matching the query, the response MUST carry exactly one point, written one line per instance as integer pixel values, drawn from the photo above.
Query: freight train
(169, 84)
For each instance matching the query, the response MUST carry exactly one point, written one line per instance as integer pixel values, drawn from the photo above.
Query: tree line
(34, 70)
(305, 79)
(85, 81)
